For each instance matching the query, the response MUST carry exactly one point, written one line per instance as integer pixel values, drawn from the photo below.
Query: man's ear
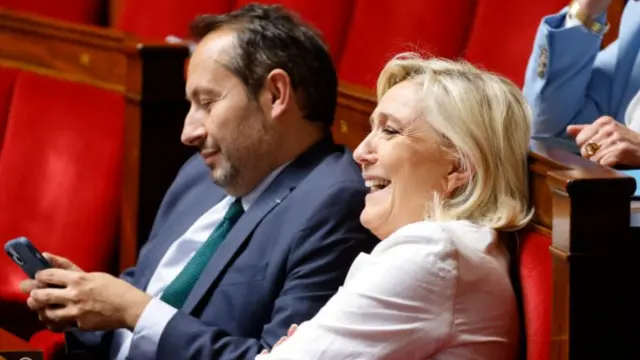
(278, 92)
(460, 173)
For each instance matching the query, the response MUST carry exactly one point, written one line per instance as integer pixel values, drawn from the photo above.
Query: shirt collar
(251, 197)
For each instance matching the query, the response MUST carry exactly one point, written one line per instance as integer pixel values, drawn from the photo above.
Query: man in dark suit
(231, 264)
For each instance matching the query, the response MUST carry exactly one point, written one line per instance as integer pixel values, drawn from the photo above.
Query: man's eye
(206, 105)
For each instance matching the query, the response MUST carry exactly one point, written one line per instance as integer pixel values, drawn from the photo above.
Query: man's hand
(57, 262)
(94, 301)
(594, 7)
(28, 285)
(607, 142)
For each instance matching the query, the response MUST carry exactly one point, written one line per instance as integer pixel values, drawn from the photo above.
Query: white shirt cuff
(154, 319)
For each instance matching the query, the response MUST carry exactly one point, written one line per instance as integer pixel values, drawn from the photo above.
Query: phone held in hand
(25, 255)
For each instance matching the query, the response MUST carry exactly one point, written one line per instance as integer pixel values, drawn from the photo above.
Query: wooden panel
(9, 341)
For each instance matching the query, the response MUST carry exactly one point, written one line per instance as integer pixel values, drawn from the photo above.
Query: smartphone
(25, 255)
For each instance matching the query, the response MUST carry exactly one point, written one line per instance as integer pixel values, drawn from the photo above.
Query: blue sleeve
(568, 80)
(320, 256)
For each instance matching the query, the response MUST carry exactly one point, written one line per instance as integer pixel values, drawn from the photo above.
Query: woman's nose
(365, 153)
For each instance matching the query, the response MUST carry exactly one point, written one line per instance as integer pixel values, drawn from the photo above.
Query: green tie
(178, 290)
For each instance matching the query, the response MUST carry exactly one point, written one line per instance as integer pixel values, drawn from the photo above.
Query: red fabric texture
(60, 178)
(383, 28)
(501, 39)
(78, 11)
(155, 20)
(7, 81)
(536, 282)
(331, 17)
(49, 343)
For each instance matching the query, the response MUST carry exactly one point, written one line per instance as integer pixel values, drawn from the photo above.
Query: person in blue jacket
(579, 91)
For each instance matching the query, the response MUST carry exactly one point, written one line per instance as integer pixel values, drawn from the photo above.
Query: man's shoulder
(337, 169)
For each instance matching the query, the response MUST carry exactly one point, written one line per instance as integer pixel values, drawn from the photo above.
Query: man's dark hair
(269, 37)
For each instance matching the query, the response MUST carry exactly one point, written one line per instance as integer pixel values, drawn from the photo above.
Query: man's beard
(239, 165)
(225, 174)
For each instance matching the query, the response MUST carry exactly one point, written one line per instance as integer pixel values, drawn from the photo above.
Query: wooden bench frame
(149, 76)
(585, 208)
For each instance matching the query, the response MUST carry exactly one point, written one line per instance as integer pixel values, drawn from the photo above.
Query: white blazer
(432, 290)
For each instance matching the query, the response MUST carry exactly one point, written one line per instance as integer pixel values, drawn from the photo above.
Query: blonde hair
(487, 124)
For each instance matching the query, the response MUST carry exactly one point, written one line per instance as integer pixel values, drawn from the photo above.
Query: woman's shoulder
(444, 243)
(437, 237)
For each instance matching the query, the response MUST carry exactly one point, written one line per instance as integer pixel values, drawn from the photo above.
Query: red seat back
(7, 81)
(79, 11)
(330, 17)
(383, 28)
(501, 39)
(60, 173)
(536, 285)
(156, 19)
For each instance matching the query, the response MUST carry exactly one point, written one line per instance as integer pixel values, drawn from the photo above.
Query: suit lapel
(201, 200)
(275, 193)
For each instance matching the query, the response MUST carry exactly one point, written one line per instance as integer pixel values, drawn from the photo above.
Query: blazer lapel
(207, 196)
(277, 191)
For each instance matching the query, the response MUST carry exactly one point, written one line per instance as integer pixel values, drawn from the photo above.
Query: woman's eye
(389, 131)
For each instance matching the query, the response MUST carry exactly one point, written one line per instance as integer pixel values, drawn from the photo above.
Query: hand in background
(594, 7)
(607, 142)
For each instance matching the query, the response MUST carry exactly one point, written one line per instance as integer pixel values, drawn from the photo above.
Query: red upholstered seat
(536, 284)
(79, 11)
(60, 180)
(331, 17)
(502, 36)
(50, 343)
(382, 28)
(156, 19)
(7, 81)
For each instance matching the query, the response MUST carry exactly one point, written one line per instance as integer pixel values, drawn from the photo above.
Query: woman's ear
(460, 173)
(278, 88)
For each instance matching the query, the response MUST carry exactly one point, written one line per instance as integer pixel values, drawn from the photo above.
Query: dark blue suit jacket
(279, 265)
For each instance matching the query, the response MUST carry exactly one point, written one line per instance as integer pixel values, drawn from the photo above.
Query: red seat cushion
(501, 39)
(60, 174)
(51, 344)
(156, 19)
(330, 17)
(79, 11)
(383, 28)
(536, 283)
(7, 81)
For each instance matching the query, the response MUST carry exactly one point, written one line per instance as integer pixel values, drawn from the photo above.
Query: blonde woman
(446, 165)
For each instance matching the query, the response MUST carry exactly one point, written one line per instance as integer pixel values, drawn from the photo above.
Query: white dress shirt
(432, 290)
(157, 314)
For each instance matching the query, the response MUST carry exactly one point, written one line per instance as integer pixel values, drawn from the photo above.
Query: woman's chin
(373, 220)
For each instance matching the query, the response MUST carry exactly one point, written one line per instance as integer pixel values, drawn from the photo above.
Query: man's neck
(287, 149)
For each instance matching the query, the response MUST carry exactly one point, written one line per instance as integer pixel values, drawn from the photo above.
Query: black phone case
(25, 255)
